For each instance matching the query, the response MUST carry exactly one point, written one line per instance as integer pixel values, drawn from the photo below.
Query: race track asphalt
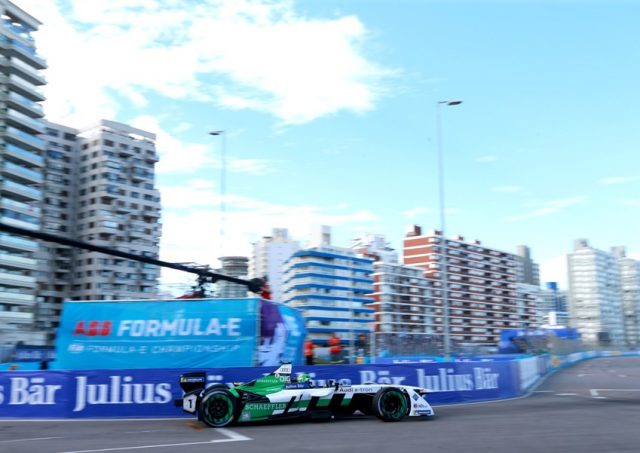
(593, 406)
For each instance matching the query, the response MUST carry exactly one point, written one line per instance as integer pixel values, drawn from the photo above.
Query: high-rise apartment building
(402, 299)
(595, 302)
(331, 286)
(482, 291)
(100, 189)
(233, 266)
(21, 171)
(527, 271)
(630, 293)
(269, 256)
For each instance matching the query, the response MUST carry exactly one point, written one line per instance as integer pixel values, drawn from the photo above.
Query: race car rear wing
(193, 381)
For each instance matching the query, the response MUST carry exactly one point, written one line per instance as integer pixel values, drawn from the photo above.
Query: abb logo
(93, 328)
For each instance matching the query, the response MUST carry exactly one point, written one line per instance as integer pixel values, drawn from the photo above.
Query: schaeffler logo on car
(159, 327)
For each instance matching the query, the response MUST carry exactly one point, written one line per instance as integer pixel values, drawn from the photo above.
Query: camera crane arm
(204, 276)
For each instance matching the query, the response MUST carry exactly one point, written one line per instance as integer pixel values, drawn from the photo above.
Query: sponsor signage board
(150, 393)
(151, 334)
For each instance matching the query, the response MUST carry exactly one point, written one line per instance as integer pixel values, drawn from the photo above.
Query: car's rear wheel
(390, 404)
(218, 407)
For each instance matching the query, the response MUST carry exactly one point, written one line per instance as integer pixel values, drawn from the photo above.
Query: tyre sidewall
(378, 404)
(220, 396)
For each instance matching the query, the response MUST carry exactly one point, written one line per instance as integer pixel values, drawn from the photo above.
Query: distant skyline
(329, 114)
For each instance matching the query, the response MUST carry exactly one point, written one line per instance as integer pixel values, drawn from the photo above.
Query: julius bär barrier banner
(156, 334)
(150, 393)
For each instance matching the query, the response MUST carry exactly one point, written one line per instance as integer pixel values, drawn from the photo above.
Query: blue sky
(329, 113)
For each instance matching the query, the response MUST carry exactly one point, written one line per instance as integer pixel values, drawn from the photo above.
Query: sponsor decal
(30, 391)
(448, 381)
(265, 406)
(119, 390)
(380, 377)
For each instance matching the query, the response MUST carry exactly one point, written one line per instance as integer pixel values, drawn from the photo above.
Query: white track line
(29, 439)
(232, 436)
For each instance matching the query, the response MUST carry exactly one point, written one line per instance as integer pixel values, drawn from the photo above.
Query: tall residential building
(331, 286)
(552, 310)
(233, 266)
(402, 298)
(482, 291)
(528, 271)
(595, 302)
(100, 189)
(630, 293)
(269, 256)
(21, 171)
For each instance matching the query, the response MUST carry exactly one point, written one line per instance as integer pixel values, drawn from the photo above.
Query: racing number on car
(189, 403)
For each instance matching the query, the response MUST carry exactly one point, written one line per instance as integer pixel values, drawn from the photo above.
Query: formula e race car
(279, 396)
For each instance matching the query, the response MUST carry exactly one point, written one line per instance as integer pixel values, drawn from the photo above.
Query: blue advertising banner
(150, 393)
(157, 334)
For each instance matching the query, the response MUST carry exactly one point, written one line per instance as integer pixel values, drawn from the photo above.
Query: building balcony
(23, 281)
(24, 122)
(16, 48)
(22, 174)
(17, 243)
(24, 140)
(17, 298)
(23, 104)
(18, 262)
(24, 193)
(24, 70)
(15, 317)
(24, 87)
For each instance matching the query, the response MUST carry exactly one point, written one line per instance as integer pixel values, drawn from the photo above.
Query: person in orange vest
(308, 351)
(335, 349)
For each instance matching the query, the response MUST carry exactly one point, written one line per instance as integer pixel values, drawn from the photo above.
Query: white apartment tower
(595, 303)
(269, 256)
(630, 293)
(331, 286)
(21, 171)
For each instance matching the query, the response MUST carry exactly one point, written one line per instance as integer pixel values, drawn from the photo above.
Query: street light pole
(443, 265)
(223, 182)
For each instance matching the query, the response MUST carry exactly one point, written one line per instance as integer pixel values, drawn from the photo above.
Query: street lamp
(443, 268)
(223, 168)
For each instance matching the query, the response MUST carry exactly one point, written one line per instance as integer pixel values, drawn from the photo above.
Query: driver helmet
(304, 377)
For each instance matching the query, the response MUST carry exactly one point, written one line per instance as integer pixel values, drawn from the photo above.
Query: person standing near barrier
(335, 348)
(308, 351)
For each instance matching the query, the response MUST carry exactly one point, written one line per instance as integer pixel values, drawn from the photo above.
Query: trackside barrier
(150, 393)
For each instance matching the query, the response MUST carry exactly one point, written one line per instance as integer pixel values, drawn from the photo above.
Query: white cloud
(614, 180)
(554, 270)
(241, 54)
(486, 159)
(549, 208)
(632, 202)
(507, 189)
(414, 213)
(192, 222)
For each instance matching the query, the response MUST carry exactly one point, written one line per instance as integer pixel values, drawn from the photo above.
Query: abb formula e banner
(195, 333)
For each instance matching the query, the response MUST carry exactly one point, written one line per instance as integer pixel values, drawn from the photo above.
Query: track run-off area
(593, 406)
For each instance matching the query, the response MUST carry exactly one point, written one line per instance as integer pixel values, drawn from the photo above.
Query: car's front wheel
(390, 404)
(218, 407)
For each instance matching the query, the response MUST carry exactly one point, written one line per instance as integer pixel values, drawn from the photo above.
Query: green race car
(278, 396)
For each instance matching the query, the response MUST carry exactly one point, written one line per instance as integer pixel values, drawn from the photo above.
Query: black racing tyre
(218, 407)
(390, 404)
